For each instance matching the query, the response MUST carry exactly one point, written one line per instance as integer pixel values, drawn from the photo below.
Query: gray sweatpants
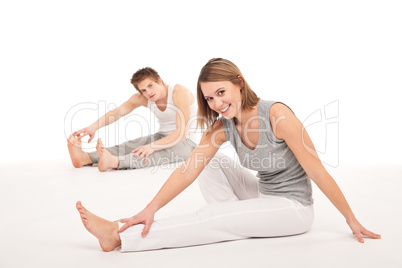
(176, 153)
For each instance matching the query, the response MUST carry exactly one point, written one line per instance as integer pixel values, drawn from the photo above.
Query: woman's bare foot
(106, 159)
(105, 231)
(78, 156)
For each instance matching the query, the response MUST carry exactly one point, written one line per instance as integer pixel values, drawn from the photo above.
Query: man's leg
(79, 158)
(111, 157)
(124, 148)
(177, 153)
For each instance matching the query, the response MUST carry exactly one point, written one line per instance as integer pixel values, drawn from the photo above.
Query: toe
(81, 208)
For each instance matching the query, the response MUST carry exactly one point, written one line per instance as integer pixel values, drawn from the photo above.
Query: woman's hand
(142, 151)
(359, 231)
(145, 217)
(90, 131)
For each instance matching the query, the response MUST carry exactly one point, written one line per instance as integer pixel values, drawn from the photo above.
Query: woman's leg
(225, 180)
(236, 210)
(266, 216)
(105, 231)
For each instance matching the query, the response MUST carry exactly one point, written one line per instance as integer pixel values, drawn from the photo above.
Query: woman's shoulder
(278, 109)
(273, 108)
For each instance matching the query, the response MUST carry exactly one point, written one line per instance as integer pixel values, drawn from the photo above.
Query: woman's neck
(243, 118)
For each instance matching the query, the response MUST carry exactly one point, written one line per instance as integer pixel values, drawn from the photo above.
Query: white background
(341, 60)
(55, 55)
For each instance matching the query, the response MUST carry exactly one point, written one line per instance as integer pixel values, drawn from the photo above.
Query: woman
(173, 106)
(268, 138)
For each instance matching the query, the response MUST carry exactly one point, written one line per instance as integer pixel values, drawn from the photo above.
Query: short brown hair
(218, 69)
(142, 74)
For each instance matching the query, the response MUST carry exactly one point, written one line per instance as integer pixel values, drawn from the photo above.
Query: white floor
(40, 226)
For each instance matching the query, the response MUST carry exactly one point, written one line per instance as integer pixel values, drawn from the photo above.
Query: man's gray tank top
(279, 172)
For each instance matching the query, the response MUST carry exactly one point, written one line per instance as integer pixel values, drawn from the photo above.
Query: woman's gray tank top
(279, 172)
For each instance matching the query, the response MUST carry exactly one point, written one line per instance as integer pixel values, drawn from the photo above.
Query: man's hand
(143, 151)
(90, 131)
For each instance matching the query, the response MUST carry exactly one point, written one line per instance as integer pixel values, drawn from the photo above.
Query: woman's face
(151, 89)
(223, 97)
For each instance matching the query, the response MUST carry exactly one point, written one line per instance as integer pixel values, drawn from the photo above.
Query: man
(173, 105)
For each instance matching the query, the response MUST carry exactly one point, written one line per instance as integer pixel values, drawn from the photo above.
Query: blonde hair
(218, 69)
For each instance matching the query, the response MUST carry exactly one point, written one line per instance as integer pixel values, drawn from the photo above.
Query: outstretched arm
(135, 101)
(180, 179)
(286, 126)
(182, 99)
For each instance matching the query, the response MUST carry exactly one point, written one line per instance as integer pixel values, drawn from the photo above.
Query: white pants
(235, 210)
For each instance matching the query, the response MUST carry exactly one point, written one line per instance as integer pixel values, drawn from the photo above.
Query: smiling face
(223, 97)
(151, 89)
(222, 89)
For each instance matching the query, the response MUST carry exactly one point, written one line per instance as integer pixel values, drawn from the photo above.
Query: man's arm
(182, 99)
(110, 117)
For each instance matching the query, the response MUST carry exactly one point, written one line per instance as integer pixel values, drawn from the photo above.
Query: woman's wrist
(349, 217)
(152, 207)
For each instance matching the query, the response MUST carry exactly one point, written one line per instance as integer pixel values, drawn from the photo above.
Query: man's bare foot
(78, 156)
(106, 159)
(105, 231)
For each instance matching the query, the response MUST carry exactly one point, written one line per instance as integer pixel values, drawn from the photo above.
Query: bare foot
(106, 159)
(105, 231)
(78, 156)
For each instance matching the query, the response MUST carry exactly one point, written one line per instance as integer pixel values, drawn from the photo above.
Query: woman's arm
(110, 117)
(286, 126)
(181, 178)
(182, 99)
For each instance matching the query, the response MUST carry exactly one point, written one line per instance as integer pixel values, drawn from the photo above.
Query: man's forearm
(170, 140)
(106, 119)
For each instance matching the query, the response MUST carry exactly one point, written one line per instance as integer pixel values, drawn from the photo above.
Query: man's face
(151, 89)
